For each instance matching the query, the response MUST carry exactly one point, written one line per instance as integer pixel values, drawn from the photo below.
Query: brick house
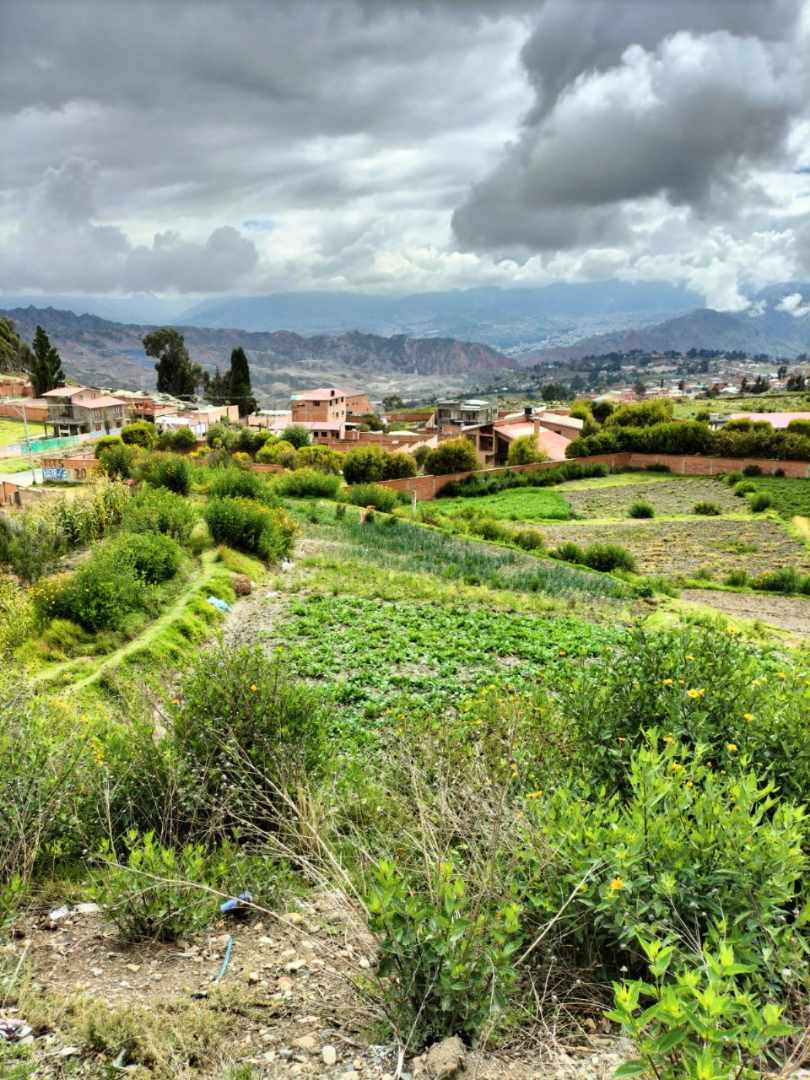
(80, 410)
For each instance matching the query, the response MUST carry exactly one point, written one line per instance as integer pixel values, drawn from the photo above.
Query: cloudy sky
(403, 145)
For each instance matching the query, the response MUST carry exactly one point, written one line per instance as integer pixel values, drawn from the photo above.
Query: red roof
(323, 393)
(66, 391)
(553, 444)
(103, 401)
(775, 419)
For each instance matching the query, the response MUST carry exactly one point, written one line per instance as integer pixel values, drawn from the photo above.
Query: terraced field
(672, 495)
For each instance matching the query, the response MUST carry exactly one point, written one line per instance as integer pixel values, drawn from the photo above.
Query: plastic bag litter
(14, 1030)
(220, 605)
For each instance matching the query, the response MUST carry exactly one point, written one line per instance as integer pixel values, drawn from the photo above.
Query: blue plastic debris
(220, 605)
(235, 903)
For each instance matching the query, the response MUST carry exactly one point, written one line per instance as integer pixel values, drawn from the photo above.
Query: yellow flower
(254, 687)
(668, 739)
(690, 657)
(695, 694)
(669, 682)
(731, 747)
(676, 766)
(748, 717)
(781, 674)
(689, 783)
(535, 795)
(616, 885)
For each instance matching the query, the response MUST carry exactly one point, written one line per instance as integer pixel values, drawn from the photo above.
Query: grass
(517, 504)
(758, 403)
(669, 496)
(16, 464)
(12, 431)
(789, 498)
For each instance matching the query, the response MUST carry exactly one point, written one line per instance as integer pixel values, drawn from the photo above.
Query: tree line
(179, 376)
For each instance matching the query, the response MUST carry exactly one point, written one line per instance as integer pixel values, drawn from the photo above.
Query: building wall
(10, 387)
(427, 487)
(358, 404)
(36, 411)
(329, 411)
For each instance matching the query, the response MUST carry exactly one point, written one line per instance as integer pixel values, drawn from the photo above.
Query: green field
(764, 403)
(789, 497)
(518, 504)
(12, 431)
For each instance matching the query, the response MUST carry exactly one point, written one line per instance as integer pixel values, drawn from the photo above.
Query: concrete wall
(427, 487)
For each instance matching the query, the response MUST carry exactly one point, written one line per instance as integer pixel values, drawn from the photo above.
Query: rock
(307, 1042)
(87, 909)
(443, 1059)
(329, 1055)
(296, 965)
(242, 585)
(253, 977)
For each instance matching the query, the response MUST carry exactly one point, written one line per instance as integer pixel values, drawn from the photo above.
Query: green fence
(43, 446)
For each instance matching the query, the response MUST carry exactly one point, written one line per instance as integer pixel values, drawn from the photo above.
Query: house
(199, 420)
(81, 410)
(460, 414)
(551, 431)
(322, 411)
(273, 420)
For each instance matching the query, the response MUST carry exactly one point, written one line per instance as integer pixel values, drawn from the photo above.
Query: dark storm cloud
(634, 100)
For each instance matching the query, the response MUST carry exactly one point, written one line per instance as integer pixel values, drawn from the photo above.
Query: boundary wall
(427, 487)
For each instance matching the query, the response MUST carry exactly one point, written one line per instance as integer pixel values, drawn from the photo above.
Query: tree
(139, 433)
(365, 465)
(391, 402)
(46, 365)
(216, 388)
(455, 455)
(525, 451)
(240, 392)
(175, 372)
(296, 434)
(15, 355)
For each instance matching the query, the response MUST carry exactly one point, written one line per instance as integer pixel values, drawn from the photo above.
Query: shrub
(800, 427)
(785, 580)
(250, 526)
(180, 440)
(308, 482)
(243, 729)
(601, 410)
(167, 471)
(296, 436)
(641, 510)
(706, 509)
(759, 501)
(734, 478)
(455, 455)
(529, 539)
(98, 596)
(280, 452)
(222, 436)
(250, 440)
(525, 451)
(235, 483)
(31, 543)
(399, 465)
(737, 578)
(153, 557)
(365, 465)
(139, 433)
(745, 487)
(152, 893)
(105, 442)
(752, 470)
(322, 458)
(16, 614)
(159, 510)
(118, 460)
(642, 414)
(570, 552)
(607, 557)
(420, 454)
(380, 498)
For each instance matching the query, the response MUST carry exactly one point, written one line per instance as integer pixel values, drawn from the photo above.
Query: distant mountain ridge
(111, 353)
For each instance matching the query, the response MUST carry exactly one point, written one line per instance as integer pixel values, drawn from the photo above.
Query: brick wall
(8, 493)
(427, 487)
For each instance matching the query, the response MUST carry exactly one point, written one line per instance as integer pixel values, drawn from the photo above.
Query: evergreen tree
(175, 372)
(45, 365)
(217, 388)
(240, 391)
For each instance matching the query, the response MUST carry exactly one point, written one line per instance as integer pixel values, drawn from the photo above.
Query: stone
(307, 1042)
(329, 1055)
(442, 1060)
(296, 965)
(253, 977)
(242, 585)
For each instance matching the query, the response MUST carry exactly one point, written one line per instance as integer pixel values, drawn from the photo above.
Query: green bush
(785, 580)
(607, 557)
(420, 454)
(167, 471)
(250, 526)
(296, 436)
(180, 440)
(365, 465)
(642, 414)
(641, 510)
(570, 552)
(105, 442)
(17, 614)
(152, 893)
(752, 470)
(243, 730)
(239, 484)
(745, 487)
(118, 461)
(706, 509)
(302, 483)
(158, 510)
(153, 557)
(280, 453)
(322, 458)
(382, 499)
(737, 578)
(139, 433)
(529, 539)
(455, 455)
(399, 465)
(448, 960)
(525, 450)
(759, 501)
(223, 436)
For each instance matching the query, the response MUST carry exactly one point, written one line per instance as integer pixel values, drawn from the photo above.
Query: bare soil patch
(677, 496)
(786, 612)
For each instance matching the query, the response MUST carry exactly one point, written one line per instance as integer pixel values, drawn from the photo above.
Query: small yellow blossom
(695, 694)
(254, 687)
(676, 766)
(689, 783)
(748, 717)
(689, 656)
(781, 674)
(731, 747)
(669, 682)
(668, 739)
(616, 885)
(535, 795)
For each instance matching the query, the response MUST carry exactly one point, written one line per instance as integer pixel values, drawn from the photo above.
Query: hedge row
(693, 437)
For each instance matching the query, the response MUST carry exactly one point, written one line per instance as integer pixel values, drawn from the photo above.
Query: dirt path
(785, 612)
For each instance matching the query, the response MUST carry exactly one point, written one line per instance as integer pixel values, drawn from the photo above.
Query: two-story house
(80, 410)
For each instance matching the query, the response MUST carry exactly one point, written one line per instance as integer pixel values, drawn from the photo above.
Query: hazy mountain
(765, 329)
(110, 354)
(138, 308)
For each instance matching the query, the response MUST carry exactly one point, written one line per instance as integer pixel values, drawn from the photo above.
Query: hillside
(110, 353)
(775, 332)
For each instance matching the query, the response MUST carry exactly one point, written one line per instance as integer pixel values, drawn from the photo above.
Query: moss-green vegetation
(13, 431)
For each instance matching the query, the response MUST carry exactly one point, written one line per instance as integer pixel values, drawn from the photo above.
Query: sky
(200, 147)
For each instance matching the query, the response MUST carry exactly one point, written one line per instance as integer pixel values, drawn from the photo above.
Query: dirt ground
(289, 992)
(685, 547)
(676, 496)
(786, 612)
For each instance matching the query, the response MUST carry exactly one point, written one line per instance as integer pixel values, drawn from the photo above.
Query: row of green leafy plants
(629, 841)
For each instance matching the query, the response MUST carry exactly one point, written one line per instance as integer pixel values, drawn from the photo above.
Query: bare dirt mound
(785, 612)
